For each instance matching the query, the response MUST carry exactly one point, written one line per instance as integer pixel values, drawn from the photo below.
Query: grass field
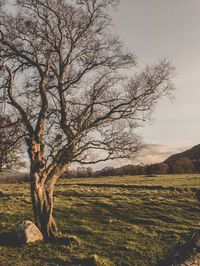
(130, 220)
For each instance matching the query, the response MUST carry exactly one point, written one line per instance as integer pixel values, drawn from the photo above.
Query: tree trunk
(42, 183)
(42, 202)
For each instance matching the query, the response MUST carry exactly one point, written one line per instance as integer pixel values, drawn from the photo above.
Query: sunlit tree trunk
(42, 201)
(42, 182)
(42, 186)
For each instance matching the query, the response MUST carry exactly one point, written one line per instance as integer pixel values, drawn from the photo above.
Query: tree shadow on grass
(84, 262)
(69, 240)
(90, 261)
(7, 239)
(183, 251)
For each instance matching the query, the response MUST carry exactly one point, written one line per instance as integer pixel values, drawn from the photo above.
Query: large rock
(27, 232)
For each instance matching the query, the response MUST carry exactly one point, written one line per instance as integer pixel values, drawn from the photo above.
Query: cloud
(150, 154)
(155, 153)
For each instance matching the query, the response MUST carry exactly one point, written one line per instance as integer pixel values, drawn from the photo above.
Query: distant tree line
(183, 165)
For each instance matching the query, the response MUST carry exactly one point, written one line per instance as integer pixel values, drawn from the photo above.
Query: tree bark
(42, 202)
(42, 186)
(42, 182)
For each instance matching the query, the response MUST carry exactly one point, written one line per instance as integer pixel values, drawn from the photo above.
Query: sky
(155, 29)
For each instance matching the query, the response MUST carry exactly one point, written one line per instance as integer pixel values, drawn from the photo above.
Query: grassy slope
(121, 225)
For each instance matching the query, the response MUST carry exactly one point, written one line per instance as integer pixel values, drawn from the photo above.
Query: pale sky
(155, 29)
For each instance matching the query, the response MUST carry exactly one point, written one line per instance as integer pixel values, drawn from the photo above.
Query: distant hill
(193, 154)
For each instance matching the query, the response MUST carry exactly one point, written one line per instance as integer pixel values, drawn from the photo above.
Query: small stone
(27, 232)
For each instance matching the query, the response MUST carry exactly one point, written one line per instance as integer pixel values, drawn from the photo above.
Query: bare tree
(65, 77)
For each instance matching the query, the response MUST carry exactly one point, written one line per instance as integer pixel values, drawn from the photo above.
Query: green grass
(180, 181)
(110, 224)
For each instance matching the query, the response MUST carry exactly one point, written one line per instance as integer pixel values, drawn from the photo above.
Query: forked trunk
(42, 202)
(42, 183)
